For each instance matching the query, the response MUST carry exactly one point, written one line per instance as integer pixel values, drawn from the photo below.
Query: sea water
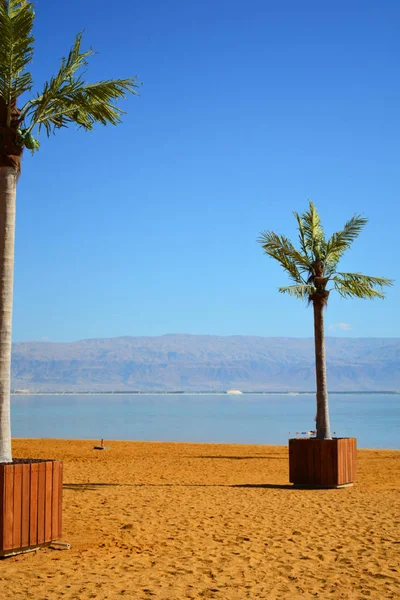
(374, 419)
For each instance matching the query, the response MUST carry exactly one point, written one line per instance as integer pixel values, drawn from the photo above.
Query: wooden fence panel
(25, 509)
(33, 505)
(48, 505)
(60, 493)
(328, 463)
(8, 513)
(17, 506)
(55, 501)
(30, 504)
(41, 502)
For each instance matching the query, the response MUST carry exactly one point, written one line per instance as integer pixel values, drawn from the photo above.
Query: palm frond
(313, 233)
(66, 98)
(287, 264)
(16, 50)
(302, 238)
(290, 267)
(357, 285)
(277, 246)
(302, 292)
(342, 240)
(314, 265)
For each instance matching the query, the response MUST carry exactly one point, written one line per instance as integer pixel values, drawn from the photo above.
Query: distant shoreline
(181, 393)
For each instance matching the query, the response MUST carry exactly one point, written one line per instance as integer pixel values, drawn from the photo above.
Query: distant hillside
(204, 363)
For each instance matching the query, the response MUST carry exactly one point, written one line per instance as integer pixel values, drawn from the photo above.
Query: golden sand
(177, 521)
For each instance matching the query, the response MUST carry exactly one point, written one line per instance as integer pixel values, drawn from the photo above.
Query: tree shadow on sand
(83, 487)
(262, 457)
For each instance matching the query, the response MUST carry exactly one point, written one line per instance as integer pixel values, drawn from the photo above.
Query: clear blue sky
(247, 109)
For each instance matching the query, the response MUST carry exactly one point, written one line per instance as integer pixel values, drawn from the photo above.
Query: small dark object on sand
(101, 447)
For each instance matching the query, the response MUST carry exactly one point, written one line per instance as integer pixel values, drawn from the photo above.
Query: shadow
(266, 486)
(91, 486)
(368, 458)
(264, 457)
(82, 487)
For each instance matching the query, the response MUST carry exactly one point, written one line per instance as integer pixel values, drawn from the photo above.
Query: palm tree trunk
(8, 189)
(323, 425)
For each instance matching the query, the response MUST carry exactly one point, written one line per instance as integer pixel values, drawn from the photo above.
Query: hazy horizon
(305, 337)
(204, 363)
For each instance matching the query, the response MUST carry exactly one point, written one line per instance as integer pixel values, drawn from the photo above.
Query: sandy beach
(177, 521)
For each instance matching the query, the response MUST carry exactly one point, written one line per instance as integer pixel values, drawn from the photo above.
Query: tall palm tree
(66, 99)
(311, 268)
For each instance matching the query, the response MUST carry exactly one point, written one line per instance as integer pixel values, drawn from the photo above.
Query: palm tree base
(322, 463)
(30, 505)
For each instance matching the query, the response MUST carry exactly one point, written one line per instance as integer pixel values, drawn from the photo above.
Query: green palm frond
(290, 267)
(66, 98)
(278, 246)
(379, 281)
(342, 240)
(302, 237)
(314, 265)
(357, 285)
(312, 230)
(287, 264)
(16, 50)
(302, 292)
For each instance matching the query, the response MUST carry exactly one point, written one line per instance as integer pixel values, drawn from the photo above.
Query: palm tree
(311, 268)
(66, 99)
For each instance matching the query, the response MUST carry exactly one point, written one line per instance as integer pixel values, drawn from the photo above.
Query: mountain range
(185, 362)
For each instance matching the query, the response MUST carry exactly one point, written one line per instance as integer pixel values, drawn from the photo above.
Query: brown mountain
(204, 363)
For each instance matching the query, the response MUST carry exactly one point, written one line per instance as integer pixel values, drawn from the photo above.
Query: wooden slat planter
(30, 504)
(322, 463)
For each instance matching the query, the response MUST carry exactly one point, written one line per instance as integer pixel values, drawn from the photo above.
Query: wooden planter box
(30, 504)
(322, 463)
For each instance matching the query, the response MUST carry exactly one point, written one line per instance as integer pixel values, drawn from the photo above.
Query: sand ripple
(180, 521)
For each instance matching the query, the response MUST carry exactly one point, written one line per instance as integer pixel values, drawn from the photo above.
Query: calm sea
(247, 419)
